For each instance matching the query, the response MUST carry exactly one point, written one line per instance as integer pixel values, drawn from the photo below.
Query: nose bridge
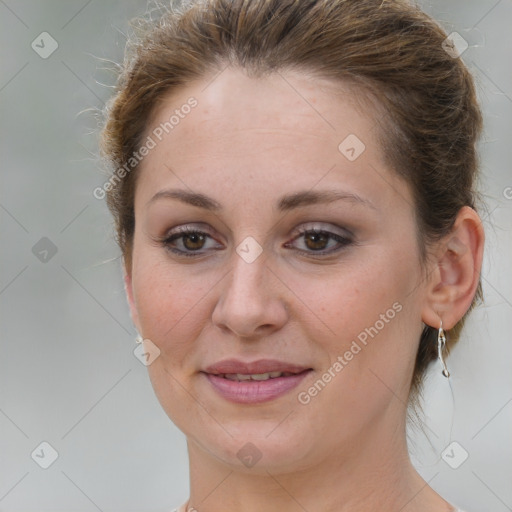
(249, 301)
(248, 269)
(247, 283)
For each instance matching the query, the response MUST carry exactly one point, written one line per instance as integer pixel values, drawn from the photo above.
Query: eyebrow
(285, 203)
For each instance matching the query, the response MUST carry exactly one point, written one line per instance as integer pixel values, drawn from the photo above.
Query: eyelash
(344, 241)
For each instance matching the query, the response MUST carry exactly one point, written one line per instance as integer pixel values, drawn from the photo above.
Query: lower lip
(254, 391)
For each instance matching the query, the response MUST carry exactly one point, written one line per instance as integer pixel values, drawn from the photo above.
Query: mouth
(255, 376)
(255, 382)
(257, 368)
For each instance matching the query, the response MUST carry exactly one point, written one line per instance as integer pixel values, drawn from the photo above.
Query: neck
(373, 473)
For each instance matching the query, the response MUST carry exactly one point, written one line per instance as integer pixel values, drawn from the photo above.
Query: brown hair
(389, 48)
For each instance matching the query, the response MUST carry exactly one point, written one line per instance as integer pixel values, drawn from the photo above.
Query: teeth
(256, 376)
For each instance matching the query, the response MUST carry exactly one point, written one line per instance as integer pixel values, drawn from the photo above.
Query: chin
(258, 447)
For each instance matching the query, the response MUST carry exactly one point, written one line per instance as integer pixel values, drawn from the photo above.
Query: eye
(189, 241)
(319, 242)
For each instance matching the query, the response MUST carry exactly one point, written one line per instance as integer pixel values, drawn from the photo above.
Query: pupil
(197, 240)
(317, 238)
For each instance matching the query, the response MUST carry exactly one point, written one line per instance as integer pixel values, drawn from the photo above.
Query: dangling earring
(441, 344)
(139, 339)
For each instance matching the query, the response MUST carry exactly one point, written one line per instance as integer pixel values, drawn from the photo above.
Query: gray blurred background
(68, 375)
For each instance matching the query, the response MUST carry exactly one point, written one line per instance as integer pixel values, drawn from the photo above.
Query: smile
(254, 388)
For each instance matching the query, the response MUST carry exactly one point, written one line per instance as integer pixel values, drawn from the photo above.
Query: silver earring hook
(441, 344)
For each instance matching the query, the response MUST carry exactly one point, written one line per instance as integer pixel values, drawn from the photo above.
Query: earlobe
(128, 288)
(454, 279)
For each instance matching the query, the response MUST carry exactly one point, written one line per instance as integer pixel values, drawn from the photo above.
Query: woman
(293, 193)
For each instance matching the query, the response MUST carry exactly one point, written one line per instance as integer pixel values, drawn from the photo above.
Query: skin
(247, 143)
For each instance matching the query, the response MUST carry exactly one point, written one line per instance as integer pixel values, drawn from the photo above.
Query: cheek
(369, 322)
(168, 300)
(368, 314)
(169, 303)
(360, 295)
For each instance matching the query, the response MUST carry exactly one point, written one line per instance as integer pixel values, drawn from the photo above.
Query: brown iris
(196, 241)
(318, 240)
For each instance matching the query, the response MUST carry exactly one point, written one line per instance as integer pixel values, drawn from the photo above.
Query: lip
(253, 392)
(254, 367)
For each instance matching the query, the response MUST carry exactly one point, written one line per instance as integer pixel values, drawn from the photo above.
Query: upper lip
(254, 367)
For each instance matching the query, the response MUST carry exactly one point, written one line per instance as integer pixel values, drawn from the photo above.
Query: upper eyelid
(307, 226)
(187, 228)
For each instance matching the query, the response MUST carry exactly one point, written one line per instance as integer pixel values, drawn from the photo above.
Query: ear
(128, 288)
(455, 273)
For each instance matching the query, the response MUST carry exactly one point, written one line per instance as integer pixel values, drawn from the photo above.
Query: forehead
(281, 130)
(232, 100)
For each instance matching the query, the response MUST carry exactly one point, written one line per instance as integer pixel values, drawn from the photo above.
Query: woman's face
(254, 282)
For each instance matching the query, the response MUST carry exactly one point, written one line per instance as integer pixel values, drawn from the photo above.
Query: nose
(252, 302)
